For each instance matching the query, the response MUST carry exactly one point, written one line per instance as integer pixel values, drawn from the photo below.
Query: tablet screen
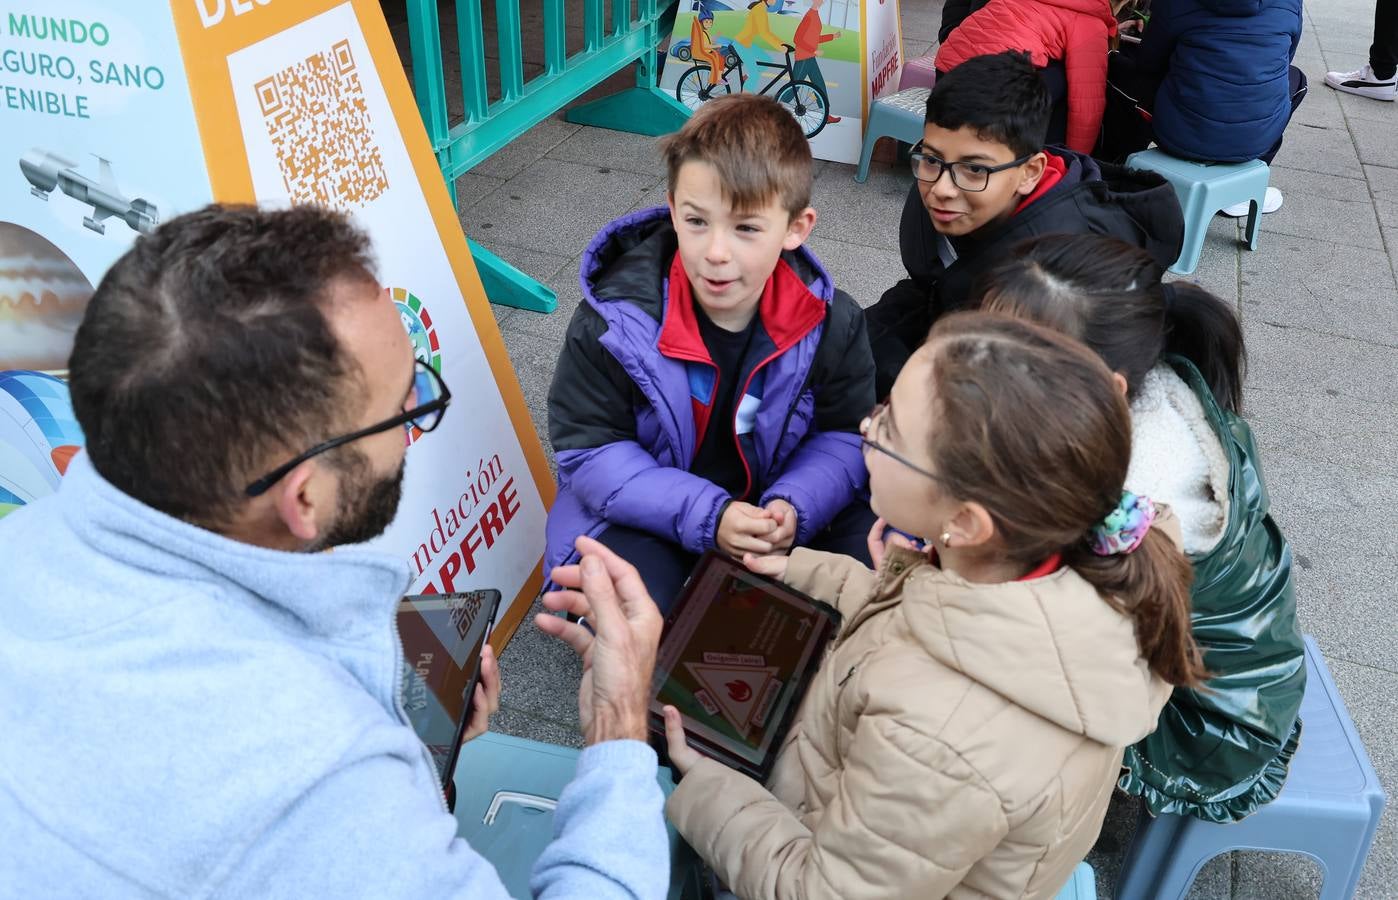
(737, 653)
(442, 637)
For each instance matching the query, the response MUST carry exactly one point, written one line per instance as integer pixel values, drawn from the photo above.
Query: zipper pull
(848, 676)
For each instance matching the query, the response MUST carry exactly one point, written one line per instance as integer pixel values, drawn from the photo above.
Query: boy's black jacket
(1092, 198)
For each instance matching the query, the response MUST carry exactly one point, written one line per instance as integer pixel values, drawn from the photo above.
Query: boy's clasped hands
(745, 528)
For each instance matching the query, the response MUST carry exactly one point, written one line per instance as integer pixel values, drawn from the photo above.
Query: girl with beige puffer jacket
(966, 728)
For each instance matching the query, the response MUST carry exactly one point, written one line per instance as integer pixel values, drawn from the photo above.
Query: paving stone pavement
(1319, 303)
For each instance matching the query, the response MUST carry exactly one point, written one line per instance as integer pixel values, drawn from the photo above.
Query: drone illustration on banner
(46, 171)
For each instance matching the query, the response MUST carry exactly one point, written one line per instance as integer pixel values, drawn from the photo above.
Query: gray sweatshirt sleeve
(370, 829)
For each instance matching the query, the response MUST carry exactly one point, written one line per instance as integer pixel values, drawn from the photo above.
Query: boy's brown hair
(755, 145)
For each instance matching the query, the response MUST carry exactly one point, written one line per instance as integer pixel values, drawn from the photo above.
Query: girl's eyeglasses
(866, 428)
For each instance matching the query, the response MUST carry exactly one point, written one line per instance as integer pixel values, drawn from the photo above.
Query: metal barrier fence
(487, 126)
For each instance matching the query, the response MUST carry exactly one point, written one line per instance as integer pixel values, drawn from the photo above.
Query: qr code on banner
(319, 124)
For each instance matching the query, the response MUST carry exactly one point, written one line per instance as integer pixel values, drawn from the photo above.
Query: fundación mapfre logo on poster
(417, 321)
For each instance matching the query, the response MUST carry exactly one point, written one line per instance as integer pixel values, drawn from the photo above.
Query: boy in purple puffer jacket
(712, 381)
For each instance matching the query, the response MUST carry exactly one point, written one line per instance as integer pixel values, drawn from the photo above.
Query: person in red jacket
(808, 39)
(1068, 41)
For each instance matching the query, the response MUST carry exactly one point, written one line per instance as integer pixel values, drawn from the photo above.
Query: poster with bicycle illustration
(825, 60)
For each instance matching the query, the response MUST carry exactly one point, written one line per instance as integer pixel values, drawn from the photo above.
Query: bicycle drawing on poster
(818, 58)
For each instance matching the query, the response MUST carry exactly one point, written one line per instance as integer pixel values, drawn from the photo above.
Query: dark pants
(1383, 54)
(1131, 97)
(1055, 78)
(665, 566)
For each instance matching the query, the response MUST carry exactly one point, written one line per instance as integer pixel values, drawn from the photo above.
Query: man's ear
(972, 526)
(1031, 173)
(296, 501)
(799, 228)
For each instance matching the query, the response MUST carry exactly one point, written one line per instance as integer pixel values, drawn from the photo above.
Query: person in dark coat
(985, 126)
(1217, 80)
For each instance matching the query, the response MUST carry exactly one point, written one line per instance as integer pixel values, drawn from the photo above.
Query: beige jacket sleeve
(841, 581)
(909, 818)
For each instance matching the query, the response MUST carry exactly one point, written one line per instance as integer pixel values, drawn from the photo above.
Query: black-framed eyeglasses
(429, 399)
(868, 425)
(971, 177)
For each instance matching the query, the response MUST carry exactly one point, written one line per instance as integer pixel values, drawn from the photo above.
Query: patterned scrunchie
(1123, 530)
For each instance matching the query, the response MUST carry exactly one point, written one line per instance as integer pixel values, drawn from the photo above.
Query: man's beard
(366, 507)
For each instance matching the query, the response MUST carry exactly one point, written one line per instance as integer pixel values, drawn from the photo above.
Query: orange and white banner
(123, 115)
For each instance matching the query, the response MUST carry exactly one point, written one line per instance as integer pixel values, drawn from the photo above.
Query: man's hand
(619, 655)
(784, 514)
(745, 528)
(487, 696)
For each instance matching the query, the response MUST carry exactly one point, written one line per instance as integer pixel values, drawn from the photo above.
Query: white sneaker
(1270, 204)
(1365, 83)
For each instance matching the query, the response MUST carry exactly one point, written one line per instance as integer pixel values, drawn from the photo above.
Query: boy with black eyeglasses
(984, 183)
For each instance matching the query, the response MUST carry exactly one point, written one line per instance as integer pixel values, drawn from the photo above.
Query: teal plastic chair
(899, 116)
(1082, 886)
(1328, 810)
(1204, 189)
(506, 791)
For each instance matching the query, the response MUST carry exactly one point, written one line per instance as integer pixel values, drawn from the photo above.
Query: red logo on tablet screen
(739, 690)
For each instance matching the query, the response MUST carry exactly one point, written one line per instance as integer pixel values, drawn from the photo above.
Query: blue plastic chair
(1203, 190)
(1081, 886)
(1328, 810)
(506, 791)
(900, 116)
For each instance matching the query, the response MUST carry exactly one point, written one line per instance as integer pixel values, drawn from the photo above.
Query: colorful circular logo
(418, 323)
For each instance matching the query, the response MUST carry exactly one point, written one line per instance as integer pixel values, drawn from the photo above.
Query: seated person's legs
(663, 566)
(1056, 80)
(1130, 98)
(848, 532)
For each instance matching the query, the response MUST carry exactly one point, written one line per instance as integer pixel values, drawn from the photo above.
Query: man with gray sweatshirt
(196, 704)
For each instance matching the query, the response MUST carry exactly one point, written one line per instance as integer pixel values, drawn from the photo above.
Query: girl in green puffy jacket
(1221, 752)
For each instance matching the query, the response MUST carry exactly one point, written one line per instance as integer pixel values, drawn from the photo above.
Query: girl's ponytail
(1057, 486)
(1108, 294)
(1203, 329)
(1151, 585)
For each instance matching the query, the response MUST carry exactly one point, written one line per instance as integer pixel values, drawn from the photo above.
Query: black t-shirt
(718, 459)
